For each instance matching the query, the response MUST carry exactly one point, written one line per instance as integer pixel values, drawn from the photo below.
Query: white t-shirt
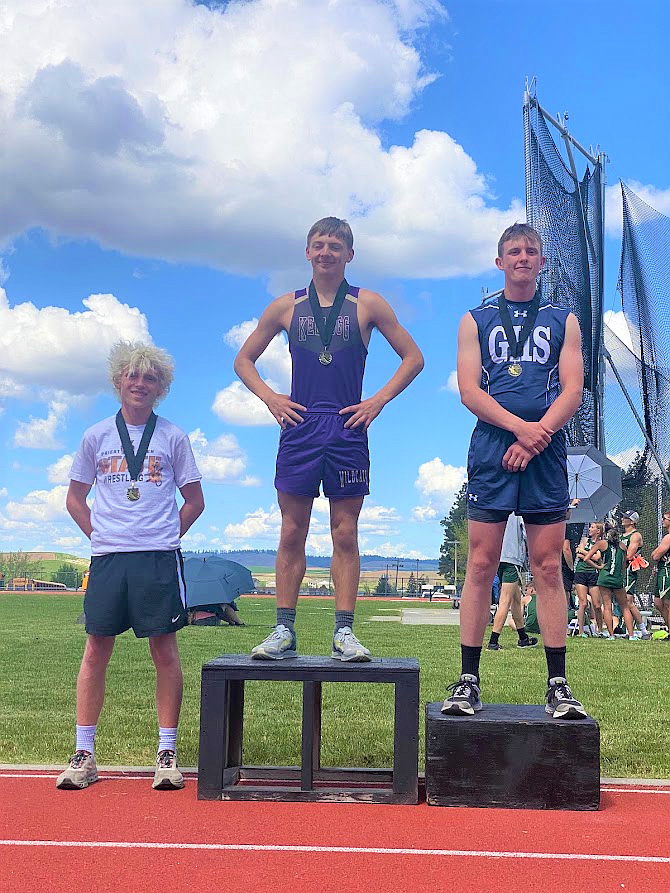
(152, 522)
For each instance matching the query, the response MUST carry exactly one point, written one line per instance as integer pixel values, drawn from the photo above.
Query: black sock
(494, 638)
(522, 634)
(555, 661)
(470, 659)
(344, 618)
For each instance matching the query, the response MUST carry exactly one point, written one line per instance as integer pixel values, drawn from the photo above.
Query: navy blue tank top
(326, 388)
(530, 394)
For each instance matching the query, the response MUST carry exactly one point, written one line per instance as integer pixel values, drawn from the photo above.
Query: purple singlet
(320, 450)
(326, 388)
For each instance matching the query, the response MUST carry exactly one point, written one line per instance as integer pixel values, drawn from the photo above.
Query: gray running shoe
(560, 701)
(167, 776)
(347, 647)
(279, 644)
(464, 700)
(80, 773)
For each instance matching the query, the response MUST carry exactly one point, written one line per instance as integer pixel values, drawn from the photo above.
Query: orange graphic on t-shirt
(155, 469)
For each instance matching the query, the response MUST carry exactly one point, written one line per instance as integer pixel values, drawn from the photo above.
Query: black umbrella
(593, 479)
(211, 580)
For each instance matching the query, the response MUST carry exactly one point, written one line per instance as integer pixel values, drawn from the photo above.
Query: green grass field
(625, 687)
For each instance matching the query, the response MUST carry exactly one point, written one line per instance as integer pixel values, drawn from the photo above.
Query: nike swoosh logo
(175, 619)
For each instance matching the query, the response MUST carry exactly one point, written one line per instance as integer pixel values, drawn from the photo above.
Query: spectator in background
(631, 539)
(586, 580)
(661, 554)
(611, 576)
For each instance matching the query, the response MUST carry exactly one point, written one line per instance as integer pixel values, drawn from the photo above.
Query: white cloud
(39, 505)
(319, 544)
(424, 513)
(238, 406)
(105, 137)
(399, 550)
(3, 492)
(659, 199)
(59, 471)
(452, 383)
(40, 434)
(263, 524)
(222, 461)
(72, 347)
(627, 456)
(69, 542)
(616, 321)
(438, 484)
(4, 271)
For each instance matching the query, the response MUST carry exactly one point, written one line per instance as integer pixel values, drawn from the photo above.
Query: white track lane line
(374, 851)
(193, 776)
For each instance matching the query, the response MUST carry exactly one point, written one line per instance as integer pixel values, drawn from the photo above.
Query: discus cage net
(625, 406)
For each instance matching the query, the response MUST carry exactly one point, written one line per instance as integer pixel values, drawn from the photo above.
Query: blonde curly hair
(134, 356)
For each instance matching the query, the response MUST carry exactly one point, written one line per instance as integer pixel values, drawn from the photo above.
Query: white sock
(167, 739)
(86, 738)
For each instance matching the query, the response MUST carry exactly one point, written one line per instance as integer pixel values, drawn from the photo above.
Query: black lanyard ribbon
(134, 460)
(326, 323)
(516, 344)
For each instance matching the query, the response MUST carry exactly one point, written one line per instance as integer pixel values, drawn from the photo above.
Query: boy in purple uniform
(324, 423)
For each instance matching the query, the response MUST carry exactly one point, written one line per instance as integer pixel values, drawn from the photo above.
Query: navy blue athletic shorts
(320, 450)
(539, 493)
(142, 590)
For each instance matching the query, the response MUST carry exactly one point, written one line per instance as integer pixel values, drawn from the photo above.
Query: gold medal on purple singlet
(325, 358)
(514, 369)
(133, 493)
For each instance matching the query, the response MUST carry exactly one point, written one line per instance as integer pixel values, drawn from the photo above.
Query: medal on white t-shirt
(134, 460)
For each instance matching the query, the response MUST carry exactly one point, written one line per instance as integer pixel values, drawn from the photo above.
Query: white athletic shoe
(80, 773)
(279, 644)
(167, 776)
(347, 647)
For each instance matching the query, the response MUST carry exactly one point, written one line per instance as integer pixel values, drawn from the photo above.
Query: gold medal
(325, 358)
(514, 369)
(133, 492)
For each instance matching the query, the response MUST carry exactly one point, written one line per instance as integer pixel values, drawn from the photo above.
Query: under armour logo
(473, 497)
(523, 313)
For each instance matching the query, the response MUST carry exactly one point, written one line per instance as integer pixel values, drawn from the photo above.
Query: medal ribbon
(135, 460)
(516, 346)
(327, 327)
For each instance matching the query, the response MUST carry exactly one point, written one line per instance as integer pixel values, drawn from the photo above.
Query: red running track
(120, 835)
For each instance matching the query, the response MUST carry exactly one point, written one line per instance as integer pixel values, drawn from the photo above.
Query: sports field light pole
(454, 543)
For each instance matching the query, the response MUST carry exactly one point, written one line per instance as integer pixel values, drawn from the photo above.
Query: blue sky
(158, 180)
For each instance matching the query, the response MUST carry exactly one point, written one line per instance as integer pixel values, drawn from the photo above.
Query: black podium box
(222, 774)
(512, 756)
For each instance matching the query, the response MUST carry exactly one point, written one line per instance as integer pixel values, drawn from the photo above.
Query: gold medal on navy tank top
(515, 344)
(325, 325)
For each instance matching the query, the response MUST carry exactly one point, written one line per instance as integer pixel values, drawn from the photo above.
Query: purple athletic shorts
(321, 450)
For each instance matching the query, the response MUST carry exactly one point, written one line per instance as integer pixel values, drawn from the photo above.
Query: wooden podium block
(512, 756)
(222, 774)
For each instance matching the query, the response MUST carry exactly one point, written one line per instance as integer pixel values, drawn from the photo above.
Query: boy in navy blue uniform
(520, 372)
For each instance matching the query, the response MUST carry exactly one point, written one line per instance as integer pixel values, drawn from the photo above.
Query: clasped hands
(532, 439)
